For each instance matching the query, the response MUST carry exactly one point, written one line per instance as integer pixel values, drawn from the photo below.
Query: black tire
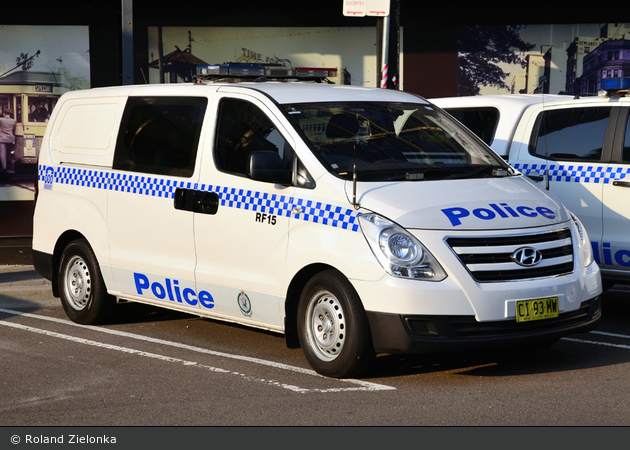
(607, 285)
(333, 328)
(81, 287)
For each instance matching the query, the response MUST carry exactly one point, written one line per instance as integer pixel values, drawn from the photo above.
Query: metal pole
(127, 41)
(396, 78)
(385, 52)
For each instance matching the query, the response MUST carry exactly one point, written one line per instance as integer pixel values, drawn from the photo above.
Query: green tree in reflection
(481, 49)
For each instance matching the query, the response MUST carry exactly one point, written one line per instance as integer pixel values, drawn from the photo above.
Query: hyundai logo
(527, 256)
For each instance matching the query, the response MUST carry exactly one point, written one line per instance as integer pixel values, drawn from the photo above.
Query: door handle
(621, 183)
(196, 201)
(206, 202)
(184, 199)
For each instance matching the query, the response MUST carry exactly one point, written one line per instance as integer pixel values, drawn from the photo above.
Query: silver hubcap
(326, 325)
(77, 283)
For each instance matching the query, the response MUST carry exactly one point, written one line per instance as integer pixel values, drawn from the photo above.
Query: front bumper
(416, 334)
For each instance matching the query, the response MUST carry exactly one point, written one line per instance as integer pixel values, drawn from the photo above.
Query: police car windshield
(391, 141)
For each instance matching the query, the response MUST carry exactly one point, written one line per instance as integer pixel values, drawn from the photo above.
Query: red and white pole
(385, 51)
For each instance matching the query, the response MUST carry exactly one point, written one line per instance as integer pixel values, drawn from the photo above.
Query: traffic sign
(361, 8)
(354, 8)
(378, 8)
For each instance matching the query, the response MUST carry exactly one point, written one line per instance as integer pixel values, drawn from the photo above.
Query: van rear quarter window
(160, 135)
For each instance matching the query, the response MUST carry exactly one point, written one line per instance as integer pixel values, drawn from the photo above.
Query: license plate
(30, 151)
(537, 309)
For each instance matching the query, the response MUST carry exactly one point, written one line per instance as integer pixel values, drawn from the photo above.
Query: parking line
(625, 336)
(361, 385)
(606, 344)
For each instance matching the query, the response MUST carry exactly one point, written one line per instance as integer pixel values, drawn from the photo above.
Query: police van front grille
(493, 259)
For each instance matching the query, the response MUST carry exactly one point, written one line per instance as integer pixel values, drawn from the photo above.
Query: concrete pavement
(22, 281)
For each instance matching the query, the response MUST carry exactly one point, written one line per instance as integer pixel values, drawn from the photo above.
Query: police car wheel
(333, 328)
(81, 287)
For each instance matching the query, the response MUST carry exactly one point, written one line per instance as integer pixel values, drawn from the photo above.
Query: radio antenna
(354, 178)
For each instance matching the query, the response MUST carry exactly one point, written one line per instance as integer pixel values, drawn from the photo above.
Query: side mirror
(267, 166)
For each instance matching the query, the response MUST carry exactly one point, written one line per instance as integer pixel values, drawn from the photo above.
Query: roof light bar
(614, 86)
(251, 71)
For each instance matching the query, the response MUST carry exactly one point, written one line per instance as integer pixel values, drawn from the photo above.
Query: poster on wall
(178, 50)
(549, 59)
(37, 65)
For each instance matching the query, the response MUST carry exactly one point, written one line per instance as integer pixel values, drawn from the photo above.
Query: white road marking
(361, 385)
(607, 344)
(603, 333)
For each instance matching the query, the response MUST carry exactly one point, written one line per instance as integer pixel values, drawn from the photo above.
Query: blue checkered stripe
(280, 205)
(576, 173)
(336, 216)
(122, 182)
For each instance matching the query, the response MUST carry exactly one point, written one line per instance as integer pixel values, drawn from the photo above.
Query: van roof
(519, 101)
(298, 92)
(281, 92)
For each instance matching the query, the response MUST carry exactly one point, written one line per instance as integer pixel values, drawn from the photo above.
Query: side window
(481, 121)
(571, 133)
(625, 157)
(243, 128)
(160, 135)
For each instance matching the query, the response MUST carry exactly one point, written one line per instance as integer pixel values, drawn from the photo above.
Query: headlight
(400, 254)
(585, 242)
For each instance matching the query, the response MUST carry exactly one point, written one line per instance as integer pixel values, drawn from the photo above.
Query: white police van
(577, 148)
(355, 221)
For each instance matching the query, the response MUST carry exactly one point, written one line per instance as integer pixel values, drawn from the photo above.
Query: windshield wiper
(391, 175)
(486, 171)
(432, 173)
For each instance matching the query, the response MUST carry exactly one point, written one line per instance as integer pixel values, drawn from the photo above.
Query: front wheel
(81, 287)
(332, 327)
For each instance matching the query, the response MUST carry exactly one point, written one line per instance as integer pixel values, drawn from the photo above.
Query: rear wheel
(81, 287)
(332, 326)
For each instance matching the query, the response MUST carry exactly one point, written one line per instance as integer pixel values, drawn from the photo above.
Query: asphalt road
(154, 367)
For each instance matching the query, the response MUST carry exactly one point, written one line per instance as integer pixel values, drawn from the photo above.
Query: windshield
(391, 141)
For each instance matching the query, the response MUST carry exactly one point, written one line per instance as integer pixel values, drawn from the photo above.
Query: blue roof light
(259, 71)
(614, 84)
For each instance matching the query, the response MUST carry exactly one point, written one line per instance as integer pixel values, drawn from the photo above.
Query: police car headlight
(399, 247)
(585, 242)
(399, 252)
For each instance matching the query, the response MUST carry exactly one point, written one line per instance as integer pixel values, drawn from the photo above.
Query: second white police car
(355, 221)
(576, 147)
